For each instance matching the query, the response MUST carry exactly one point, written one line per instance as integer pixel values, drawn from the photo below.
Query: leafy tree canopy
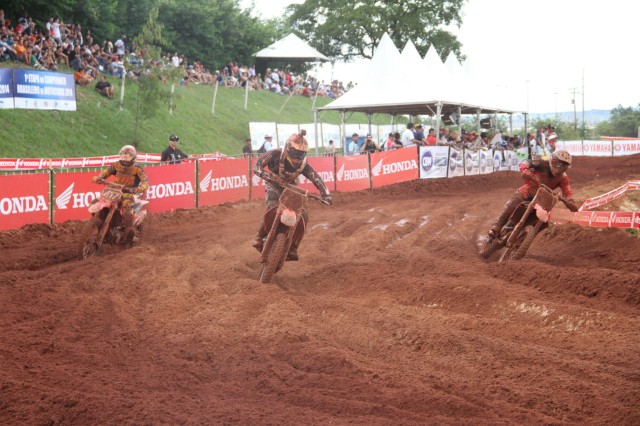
(346, 30)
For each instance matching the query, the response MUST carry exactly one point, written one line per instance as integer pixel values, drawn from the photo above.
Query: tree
(625, 121)
(345, 31)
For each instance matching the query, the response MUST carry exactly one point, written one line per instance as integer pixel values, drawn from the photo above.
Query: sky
(542, 52)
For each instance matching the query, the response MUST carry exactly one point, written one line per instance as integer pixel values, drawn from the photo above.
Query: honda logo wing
(63, 199)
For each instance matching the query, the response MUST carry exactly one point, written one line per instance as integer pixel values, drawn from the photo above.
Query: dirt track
(389, 317)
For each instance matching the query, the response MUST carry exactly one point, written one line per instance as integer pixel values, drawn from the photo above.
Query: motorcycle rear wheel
(488, 247)
(89, 245)
(273, 258)
(521, 245)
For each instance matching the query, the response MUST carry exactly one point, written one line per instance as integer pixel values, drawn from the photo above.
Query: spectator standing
(369, 146)
(444, 137)
(541, 139)
(246, 148)
(389, 143)
(431, 137)
(266, 145)
(418, 135)
(397, 141)
(119, 45)
(331, 149)
(172, 154)
(354, 148)
(552, 138)
(407, 136)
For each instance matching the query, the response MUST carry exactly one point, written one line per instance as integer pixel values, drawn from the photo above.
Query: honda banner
(434, 161)
(73, 194)
(352, 173)
(257, 184)
(223, 181)
(172, 186)
(324, 166)
(395, 166)
(24, 199)
(626, 147)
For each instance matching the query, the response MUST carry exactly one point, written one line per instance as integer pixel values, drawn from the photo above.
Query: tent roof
(291, 47)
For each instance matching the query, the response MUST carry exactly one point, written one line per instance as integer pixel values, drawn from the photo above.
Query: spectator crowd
(59, 44)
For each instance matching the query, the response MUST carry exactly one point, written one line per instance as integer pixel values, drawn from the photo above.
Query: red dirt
(389, 317)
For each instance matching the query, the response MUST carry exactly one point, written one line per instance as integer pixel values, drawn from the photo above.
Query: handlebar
(294, 188)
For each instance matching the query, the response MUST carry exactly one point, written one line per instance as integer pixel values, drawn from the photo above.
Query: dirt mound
(389, 317)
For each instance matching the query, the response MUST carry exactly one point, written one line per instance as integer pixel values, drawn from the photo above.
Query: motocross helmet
(560, 162)
(127, 155)
(296, 148)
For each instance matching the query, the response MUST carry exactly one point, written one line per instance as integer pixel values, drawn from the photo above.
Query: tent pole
(315, 127)
(343, 130)
(511, 124)
(526, 132)
(438, 114)
(315, 95)
(478, 120)
(460, 120)
(369, 116)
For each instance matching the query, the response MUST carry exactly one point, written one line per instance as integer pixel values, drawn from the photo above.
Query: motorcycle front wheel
(89, 245)
(274, 257)
(520, 246)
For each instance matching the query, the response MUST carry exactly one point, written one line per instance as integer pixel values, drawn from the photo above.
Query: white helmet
(127, 155)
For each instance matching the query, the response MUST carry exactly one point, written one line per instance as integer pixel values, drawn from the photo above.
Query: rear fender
(99, 205)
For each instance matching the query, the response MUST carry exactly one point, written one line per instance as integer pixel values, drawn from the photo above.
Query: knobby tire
(520, 247)
(273, 258)
(89, 246)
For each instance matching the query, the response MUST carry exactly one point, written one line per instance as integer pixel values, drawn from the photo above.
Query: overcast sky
(540, 49)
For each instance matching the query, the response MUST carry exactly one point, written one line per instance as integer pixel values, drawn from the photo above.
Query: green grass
(99, 127)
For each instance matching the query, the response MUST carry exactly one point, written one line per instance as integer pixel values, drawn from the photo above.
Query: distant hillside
(591, 117)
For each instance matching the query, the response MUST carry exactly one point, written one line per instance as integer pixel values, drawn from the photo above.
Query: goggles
(296, 154)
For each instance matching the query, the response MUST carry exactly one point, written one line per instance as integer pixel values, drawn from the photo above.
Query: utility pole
(575, 113)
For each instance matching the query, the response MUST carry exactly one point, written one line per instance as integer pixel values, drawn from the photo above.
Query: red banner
(173, 186)
(352, 173)
(395, 166)
(73, 195)
(24, 199)
(325, 168)
(257, 184)
(223, 181)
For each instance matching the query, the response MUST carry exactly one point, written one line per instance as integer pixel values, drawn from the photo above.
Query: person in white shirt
(407, 136)
(119, 45)
(354, 149)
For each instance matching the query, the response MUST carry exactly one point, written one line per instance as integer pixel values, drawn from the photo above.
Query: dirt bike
(106, 225)
(284, 223)
(526, 221)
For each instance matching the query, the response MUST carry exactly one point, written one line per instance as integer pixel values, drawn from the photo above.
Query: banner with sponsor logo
(597, 148)
(573, 147)
(395, 166)
(600, 200)
(456, 163)
(434, 161)
(223, 181)
(501, 161)
(73, 194)
(485, 162)
(258, 185)
(471, 162)
(324, 166)
(173, 186)
(623, 220)
(6, 88)
(626, 147)
(24, 199)
(352, 173)
(43, 90)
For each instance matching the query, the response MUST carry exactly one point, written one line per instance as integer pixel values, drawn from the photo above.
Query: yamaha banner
(43, 90)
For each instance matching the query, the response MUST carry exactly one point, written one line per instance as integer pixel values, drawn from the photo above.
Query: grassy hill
(99, 127)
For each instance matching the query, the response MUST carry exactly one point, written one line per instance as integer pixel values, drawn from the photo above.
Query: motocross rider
(286, 164)
(134, 179)
(535, 172)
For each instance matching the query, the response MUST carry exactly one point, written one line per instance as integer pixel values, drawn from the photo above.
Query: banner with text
(626, 147)
(223, 181)
(43, 90)
(624, 220)
(471, 163)
(24, 199)
(456, 163)
(6, 88)
(597, 148)
(433, 161)
(73, 194)
(173, 186)
(324, 166)
(352, 173)
(395, 166)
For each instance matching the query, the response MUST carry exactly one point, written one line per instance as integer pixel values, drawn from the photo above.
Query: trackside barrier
(60, 194)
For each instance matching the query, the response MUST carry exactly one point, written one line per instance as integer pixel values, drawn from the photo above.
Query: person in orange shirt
(82, 78)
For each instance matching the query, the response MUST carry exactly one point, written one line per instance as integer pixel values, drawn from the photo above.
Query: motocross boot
(129, 231)
(258, 242)
(508, 209)
(293, 253)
